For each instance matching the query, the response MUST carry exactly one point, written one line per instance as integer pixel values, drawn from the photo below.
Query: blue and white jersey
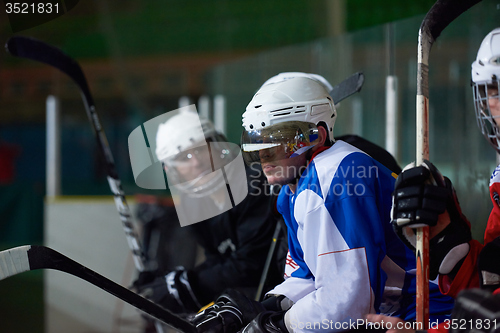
(344, 258)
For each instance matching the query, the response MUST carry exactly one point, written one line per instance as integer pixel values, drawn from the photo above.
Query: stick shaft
(33, 49)
(39, 51)
(32, 257)
(442, 13)
(422, 234)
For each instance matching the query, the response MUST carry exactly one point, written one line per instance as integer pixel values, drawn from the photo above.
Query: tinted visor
(280, 141)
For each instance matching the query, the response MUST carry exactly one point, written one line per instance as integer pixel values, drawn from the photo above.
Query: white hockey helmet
(187, 136)
(282, 102)
(485, 79)
(182, 132)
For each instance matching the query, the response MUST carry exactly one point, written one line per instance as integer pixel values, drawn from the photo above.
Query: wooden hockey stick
(442, 13)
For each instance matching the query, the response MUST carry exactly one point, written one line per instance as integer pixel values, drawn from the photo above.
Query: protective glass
(487, 107)
(279, 141)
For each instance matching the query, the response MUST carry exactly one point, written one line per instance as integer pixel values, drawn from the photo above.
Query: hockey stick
(33, 49)
(31, 257)
(348, 87)
(442, 13)
(269, 258)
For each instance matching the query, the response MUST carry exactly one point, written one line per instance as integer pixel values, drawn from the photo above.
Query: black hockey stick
(270, 255)
(31, 257)
(33, 49)
(442, 13)
(348, 87)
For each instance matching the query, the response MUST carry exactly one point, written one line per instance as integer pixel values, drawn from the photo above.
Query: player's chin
(277, 179)
(271, 177)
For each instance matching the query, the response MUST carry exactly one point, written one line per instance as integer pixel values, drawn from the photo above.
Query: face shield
(196, 166)
(279, 141)
(487, 107)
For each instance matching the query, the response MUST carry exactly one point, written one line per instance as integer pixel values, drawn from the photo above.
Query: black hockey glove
(421, 195)
(277, 303)
(488, 265)
(144, 277)
(475, 310)
(267, 322)
(231, 312)
(171, 291)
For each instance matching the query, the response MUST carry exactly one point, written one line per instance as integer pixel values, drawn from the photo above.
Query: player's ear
(322, 137)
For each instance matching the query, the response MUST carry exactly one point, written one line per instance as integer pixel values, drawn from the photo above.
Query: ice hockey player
(235, 241)
(344, 258)
(460, 261)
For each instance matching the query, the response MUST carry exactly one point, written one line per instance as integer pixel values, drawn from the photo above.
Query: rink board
(88, 230)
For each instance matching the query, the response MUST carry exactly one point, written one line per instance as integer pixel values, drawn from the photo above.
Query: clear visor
(278, 142)
(487, 107)
(200, 161)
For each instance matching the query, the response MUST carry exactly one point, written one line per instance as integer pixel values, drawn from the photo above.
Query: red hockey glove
(423, 197)
(231, 312)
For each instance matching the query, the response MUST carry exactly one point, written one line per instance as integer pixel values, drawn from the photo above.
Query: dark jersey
(236, 244)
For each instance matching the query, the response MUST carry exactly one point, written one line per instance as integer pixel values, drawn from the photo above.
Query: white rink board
(89, 231)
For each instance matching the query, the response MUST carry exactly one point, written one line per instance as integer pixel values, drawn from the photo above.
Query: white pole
(391, 115)
(53, 147)
(204, 106)
(357, 116)
(184, 101)
(220, 113)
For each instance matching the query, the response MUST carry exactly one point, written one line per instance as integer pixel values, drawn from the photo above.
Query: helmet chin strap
(329, 142)
(309, 156)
